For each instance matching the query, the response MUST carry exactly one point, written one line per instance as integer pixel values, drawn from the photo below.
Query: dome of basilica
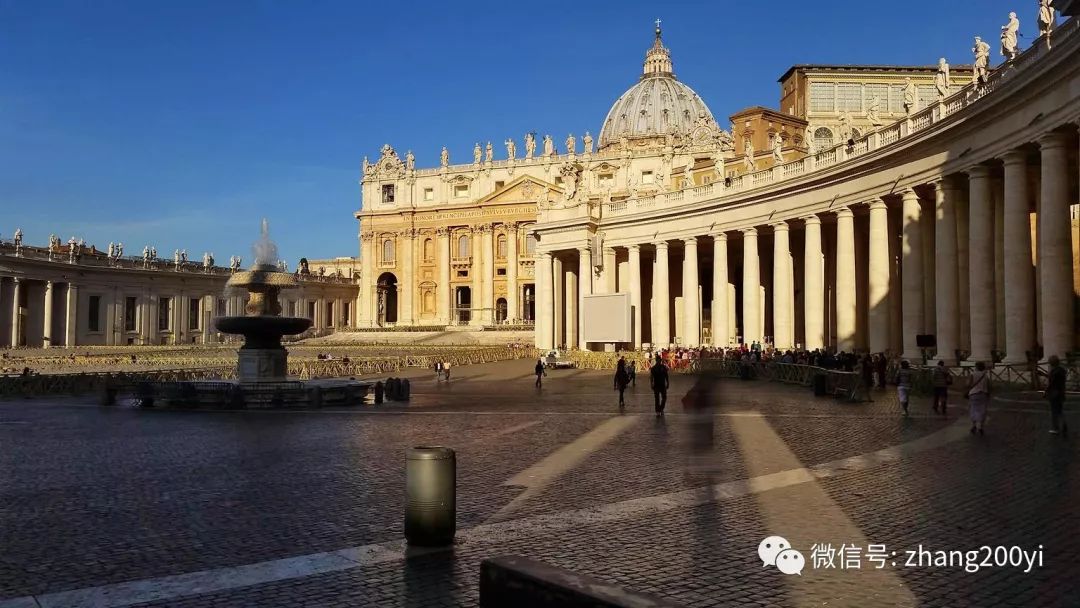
(657, 105)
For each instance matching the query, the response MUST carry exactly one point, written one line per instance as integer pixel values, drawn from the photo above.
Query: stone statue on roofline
(571, 143)
(1009, 33)
(587, 141)
(410, 161)
(873, 112)
(511, 149)
(911, 97)
(748, 155)
(444, 158)
(1046, 20)
(982, 61)
(530, 144)
(477, 154)
(549, 146)
(778, 148)
(942, 80)
(489, 153)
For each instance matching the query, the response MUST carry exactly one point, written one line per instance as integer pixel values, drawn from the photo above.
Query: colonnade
(952, 258)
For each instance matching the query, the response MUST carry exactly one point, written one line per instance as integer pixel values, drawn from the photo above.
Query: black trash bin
(405, 389)
(821, 384)
(430, 496)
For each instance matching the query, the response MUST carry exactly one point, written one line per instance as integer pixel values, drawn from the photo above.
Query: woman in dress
(979, 397)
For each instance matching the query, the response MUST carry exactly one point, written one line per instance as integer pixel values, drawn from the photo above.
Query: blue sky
(180, 124)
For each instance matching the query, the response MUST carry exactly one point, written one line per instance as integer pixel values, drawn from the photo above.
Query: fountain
(262, 363)
(262, 358)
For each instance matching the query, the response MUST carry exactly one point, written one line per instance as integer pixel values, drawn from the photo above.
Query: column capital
(17, 280)
(1052, 140)
(546, 255)
(781, 226)
(690, 241)
(719, 237)
(511, 226)
(978, 172)
(633, 247)
(845, 212)
(945, 182)
(584, 250)
(812, 219)
(1015, 157)
(661, 244)
(749, 231)
(909, 193)
(877, 203)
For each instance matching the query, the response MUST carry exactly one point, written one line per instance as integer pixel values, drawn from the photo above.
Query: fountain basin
(262, 331)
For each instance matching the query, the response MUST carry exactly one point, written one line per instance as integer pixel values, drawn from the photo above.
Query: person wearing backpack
(942, 380)
(979, 397)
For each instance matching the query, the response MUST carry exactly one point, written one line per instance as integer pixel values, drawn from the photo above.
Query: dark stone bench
(524, 583)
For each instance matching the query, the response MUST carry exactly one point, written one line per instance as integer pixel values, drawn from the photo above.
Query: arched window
(463, 246)
(823, 138)
(429, 250)
(855, 134)
(500, 250)
(388, 251)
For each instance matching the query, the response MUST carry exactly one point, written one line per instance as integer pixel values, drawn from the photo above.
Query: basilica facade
(923, 212)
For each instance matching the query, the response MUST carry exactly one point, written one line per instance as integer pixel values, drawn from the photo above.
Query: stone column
(912, 275)
(544, 294)
(512, 312)
(571, 298)
(751, 287)
(71, 322)
(206, 312)
(178, 318)
(15, 316)
(152, 303)
(406, 287)
(611, 269)
(1019, 273)
(585, 271)
(476, 270)
(442, 253)
(489, 274)
(878, 283)
(946, 281)
(981, 264)
(368, 276)
(691, 310)
(110, 317)
(1055, 247)
(720, 323)
(845, 280)
(782, 289)
(46, 334)
(635, 291)
(814, 279)
(557, 284)
(661, 298)
(962, 274)
(998, 196)
(339, 313)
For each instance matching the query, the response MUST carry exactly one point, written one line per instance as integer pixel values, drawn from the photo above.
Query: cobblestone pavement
(674, 506)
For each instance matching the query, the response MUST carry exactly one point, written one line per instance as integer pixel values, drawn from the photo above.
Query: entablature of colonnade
(1023, 100)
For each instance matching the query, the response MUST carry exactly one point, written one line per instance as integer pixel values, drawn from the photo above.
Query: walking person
(632, 369)
(622, 379)
(866, 369)
(942, 380)
(539, 371)
(438, 371)
(658, 379)
(978, 397)
(1055, 394)
(903, 385)
(882, 368)
(446, 370)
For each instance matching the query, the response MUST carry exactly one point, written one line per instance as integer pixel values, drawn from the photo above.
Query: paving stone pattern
(92, 496)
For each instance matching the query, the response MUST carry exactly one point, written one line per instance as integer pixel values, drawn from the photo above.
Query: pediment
(523, 189)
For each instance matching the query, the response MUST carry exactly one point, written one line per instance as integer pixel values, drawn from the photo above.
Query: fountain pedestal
(262, 365)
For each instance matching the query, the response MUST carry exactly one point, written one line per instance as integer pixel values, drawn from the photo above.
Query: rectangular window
(311, 310)
(606, 180)
(500, 272)
(558, 181)
(499, 185)
(345, 314)
(221, 307)
(647, 177)
(927, 94)
(822, 97)
(462, 274)
(849, 96)
(429, 194)
(164, 312)
(896, 99)
(461, 191)
(388, 193)
(193, 313)
(131, 313)
(93, 312)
